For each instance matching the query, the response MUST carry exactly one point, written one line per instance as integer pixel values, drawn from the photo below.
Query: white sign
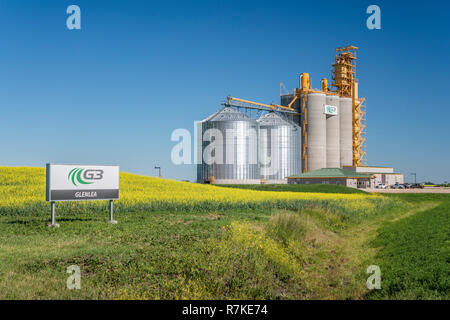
(331, 110)
(80, 182)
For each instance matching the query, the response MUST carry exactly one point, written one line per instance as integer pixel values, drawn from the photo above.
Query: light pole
(413, 174)
(159, 168)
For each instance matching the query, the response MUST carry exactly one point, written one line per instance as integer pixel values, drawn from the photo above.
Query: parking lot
(424, 190)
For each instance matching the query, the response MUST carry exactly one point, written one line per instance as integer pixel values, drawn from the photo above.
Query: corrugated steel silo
(229, 148)
(333, 134)
(279, 148)
(346, 131)
(317, 131)
(202, 169)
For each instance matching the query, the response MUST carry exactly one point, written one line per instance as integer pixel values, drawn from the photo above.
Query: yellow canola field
(21, 187)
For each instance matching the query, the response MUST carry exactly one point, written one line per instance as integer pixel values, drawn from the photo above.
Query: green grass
(306, 252)
(159, 255)
(321, 188)
(414, 253)
(153, 251)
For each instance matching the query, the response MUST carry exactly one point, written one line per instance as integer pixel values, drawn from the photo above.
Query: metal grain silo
(279, 148)
(229, 148)
(333, 133)
(346, 131)
(317, 131)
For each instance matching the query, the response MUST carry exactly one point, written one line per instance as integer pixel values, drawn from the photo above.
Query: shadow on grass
(43, 220)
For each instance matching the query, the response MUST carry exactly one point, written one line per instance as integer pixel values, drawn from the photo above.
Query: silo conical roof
(228, 114)
(273, 119)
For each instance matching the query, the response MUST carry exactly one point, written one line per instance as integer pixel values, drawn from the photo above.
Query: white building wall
(394, 178)
(370, 169)
(352, 183)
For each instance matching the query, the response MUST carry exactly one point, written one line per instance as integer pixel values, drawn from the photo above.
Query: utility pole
(413, 174)
(158, 168)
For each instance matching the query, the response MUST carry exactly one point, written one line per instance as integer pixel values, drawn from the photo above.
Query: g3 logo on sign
(84, 176)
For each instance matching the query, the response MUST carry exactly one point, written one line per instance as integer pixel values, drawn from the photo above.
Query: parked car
(417, 186)
(397, 186)
(408, 185)
(380, 186)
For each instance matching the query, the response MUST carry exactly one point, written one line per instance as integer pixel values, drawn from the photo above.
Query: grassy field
(180, 240)
(414, 252)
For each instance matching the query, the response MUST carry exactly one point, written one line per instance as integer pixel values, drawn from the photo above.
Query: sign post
(53, 224)
(111, 209)
(82, 183)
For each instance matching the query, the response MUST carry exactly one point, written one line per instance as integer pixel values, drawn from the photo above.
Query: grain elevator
(310, 129)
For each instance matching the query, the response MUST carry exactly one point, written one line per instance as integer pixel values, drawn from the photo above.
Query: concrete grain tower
(343, 74)
(332, 122)
(316, 153)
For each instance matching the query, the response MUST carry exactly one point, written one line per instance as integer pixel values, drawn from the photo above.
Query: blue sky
(113, 92)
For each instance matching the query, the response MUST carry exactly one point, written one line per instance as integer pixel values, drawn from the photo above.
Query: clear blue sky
(113, 92)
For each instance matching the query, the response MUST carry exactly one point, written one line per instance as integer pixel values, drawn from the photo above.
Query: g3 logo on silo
(84, 176)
